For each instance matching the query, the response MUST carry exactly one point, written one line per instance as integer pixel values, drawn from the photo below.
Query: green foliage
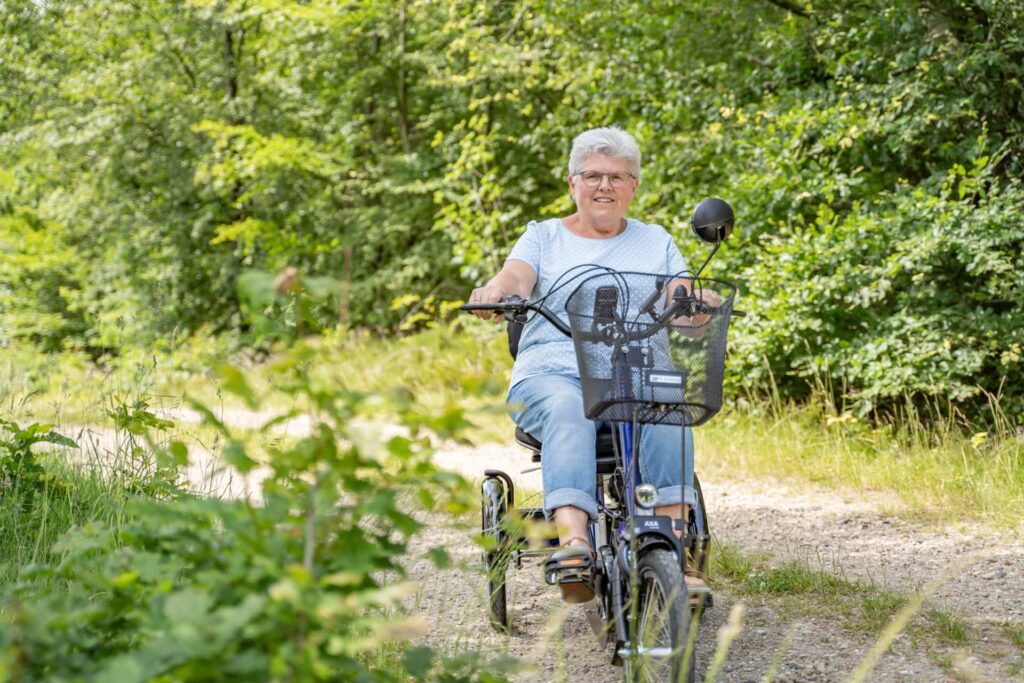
(154, 152)
(42, 496)
(20, 470)
(305, 584)
(288, 305)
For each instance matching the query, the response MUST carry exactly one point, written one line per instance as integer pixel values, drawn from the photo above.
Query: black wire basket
(637, 363)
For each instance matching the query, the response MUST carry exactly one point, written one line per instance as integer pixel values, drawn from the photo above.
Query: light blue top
(551, 249)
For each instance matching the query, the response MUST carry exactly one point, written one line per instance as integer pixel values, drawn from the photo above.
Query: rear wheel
(664, 653)
(496, 556)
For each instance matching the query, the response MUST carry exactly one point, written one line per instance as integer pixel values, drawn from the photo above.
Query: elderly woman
(604, 173)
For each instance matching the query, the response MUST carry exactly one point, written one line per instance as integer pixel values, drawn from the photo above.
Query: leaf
(256, 288)
(124, 669)
(234, 454)
(179, 453)
(208, 416)
(125, 579)
(59, 439)
(322, 287)
(418, 661)
(233, 381)
(440, 557)
(189, 606)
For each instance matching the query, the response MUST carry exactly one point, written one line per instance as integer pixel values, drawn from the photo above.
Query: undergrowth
(464, 368)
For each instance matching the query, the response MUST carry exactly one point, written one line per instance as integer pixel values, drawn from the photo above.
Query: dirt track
(981, 583)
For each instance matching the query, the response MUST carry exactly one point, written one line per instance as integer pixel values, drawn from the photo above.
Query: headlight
(646, 496)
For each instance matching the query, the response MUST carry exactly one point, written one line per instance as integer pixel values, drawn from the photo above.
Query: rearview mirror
(712, 221)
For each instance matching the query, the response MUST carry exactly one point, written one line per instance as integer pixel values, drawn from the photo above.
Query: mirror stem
(713, 252)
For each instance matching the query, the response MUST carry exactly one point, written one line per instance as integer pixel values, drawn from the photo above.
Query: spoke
(654, 631)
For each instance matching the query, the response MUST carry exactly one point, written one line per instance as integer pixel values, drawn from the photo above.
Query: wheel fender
(655, 532)
(656, 539)
(493, 504)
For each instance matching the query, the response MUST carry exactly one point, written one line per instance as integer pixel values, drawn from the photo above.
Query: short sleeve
(673, 257)
(528, 247)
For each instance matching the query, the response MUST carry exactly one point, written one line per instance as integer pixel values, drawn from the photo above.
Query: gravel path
(981, 575)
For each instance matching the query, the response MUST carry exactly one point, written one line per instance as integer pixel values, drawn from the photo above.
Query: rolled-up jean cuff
(574, 497)
(669, 495)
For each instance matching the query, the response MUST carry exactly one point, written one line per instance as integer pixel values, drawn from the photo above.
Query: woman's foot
(697, 585)
(570, 567)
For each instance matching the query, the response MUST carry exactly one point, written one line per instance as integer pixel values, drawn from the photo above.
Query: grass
(863, 608)
(924, 469)
(32, 522)
(1015, 632)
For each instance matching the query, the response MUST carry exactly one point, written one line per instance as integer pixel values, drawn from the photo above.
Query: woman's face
(603, 205)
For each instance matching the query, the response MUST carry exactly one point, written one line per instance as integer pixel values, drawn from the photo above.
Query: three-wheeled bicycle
(651, 350)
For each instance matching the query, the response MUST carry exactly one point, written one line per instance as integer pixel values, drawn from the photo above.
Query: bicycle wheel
(496, 557)
(663, 622)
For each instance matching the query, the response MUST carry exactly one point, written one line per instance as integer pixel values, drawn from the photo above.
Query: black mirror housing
(713, 220)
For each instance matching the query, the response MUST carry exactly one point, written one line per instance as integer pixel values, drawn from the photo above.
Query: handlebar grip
(739, 314)
(509, 303)
(487, 307)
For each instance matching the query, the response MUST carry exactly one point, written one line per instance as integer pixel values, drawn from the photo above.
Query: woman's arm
(516, 277)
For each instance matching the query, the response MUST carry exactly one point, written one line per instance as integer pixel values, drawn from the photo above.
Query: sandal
(570, 568)
(697, 586)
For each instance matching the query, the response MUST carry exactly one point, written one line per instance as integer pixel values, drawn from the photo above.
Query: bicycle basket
(634, 367)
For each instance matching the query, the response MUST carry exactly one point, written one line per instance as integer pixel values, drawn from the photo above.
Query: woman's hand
(488, 294)
(516, 277)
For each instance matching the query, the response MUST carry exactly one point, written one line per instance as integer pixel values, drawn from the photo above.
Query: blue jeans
(550, 408)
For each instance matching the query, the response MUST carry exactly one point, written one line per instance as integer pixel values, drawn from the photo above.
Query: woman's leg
(660, 446)
(660, 465)
(550, 408)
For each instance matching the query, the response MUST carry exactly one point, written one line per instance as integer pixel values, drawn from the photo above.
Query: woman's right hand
(488, 294)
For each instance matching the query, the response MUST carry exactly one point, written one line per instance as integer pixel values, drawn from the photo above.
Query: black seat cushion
(605, 448)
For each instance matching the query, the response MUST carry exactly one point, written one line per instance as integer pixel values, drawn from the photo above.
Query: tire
(496, 558)
(662, 620)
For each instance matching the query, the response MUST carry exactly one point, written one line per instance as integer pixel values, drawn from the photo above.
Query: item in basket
(665, 386)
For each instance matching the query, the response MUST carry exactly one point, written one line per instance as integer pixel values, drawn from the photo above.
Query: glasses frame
(611, 184)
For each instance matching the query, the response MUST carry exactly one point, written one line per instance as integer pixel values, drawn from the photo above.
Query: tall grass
(72, 496)
(940, 470)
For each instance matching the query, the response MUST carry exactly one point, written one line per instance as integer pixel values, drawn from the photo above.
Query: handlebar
(519, 306)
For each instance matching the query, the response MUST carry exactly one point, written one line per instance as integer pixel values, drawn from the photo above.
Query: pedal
(700, 597)
(574, 569)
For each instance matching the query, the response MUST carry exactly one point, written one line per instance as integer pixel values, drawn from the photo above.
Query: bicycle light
(646, 496)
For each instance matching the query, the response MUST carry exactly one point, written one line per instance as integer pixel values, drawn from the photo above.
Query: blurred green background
(152, 153)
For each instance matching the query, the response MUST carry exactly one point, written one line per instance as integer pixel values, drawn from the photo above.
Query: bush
(304, 585)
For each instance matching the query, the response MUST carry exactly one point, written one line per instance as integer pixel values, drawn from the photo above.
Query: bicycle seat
(605, 447)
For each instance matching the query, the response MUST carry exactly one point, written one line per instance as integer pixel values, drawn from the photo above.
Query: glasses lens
(593, 178)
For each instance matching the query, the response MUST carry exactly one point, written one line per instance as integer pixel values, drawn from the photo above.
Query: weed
(796, 578)
(1015, 632)
(947, 626)
(877, 609)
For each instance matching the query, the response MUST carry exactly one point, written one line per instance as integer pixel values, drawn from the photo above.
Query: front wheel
(665, 653)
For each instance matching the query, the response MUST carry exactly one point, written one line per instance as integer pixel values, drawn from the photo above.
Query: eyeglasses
(616, 180)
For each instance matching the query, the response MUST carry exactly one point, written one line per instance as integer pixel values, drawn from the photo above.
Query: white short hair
(611, 142)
